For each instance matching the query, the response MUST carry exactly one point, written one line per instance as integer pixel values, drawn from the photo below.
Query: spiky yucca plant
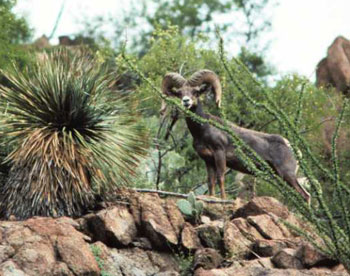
(73, 136)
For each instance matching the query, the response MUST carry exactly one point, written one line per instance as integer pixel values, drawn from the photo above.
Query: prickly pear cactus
(191, 198)
(191, 208)
(185, 207)
(199, 205)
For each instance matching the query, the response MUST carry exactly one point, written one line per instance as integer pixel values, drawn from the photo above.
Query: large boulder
(216, 211)
(287, 258)
(268, 248)
(235, 243)
(175, 217)
(9, 268)
(266, 227)
(189, 238)
(310, 257)
(114, 226)
(263, 205)
(134, 261)
(207, 258)
(155, 222)
(248, 230)
(38, 257)
(211, 234)
(334, 70)
(45, 246)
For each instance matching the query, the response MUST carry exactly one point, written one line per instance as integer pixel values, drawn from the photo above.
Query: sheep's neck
(196, 128)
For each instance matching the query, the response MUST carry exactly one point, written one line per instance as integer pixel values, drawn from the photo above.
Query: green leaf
(191, 199)
(185, 207)
(199, 205)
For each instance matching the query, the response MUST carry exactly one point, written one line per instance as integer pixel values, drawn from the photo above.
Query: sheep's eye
(196, 92)
(173, 91)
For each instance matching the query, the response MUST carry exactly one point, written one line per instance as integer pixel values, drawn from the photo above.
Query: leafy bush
(14, 30)
(73, 136)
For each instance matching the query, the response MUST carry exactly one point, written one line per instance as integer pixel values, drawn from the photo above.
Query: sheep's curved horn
(209, 77)
(170, 81)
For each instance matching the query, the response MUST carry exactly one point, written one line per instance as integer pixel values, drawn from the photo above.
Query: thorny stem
(253, 162)
(290, 129)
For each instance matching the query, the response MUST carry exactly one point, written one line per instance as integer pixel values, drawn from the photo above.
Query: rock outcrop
(334, 70)
(148, 235)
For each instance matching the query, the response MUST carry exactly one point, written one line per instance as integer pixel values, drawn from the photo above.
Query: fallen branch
(183, 196)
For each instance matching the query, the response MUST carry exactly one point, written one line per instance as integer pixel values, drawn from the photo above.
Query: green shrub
(73, 136)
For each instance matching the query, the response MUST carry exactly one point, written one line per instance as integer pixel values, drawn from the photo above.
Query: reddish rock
(259, 271)
(155, 222)
(216, 211)
(114, 226)
(6, 252)
(205, 220)
(210, 235)
(83, 224)
(235, 243)
(135, 261)
(48, 227)
(18, 235)
(263, 205)
(9, 268)
(312, 257)
(61, 269)
(103, 254)
(78, 256)
(338, 268)
(46, 246)
(167, 273)
(202, 272)
(189, 238)
(175, 217)
(260, 262)
(36, 258)
(284, 229)
(268, 248)
(135, 207)
(164, 261)
(286, 258)
(247, 229)
(266, 226)
(143, 243)
(207, 258)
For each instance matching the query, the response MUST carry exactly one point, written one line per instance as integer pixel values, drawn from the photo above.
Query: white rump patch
(299, 153)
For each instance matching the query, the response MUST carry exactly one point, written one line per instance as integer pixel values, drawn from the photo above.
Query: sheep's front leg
(220, 164)
(211, 178)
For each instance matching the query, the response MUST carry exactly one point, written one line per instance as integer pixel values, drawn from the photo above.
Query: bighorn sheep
(214, 146)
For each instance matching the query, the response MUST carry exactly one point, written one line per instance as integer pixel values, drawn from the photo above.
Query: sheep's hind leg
(211, 178)
(220, 164)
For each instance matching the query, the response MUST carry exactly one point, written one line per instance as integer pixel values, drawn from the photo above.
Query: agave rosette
(73, 135)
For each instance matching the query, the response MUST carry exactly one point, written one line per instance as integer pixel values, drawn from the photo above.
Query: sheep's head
(189, 90)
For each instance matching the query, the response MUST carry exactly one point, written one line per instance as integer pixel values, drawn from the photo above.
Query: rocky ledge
(147, 235)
